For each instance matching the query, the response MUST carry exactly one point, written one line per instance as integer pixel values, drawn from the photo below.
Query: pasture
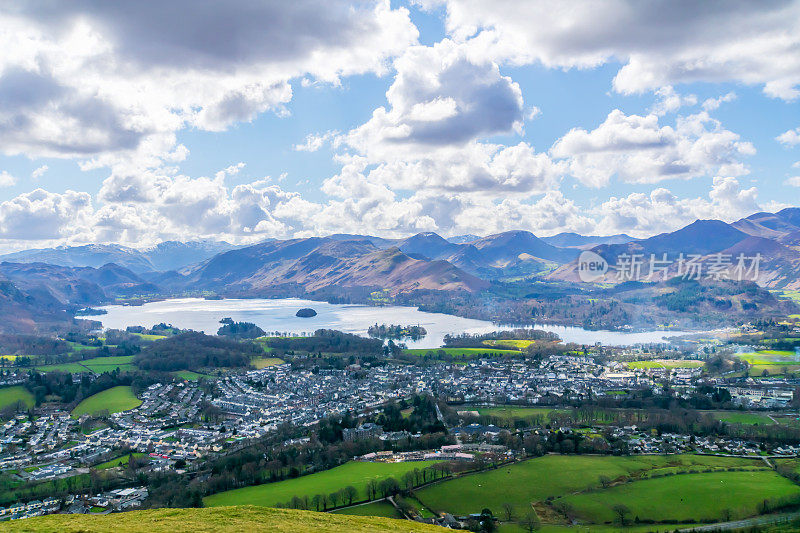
(382, 508)
(769, 357)
(14, 394)
(354, 473)
(188, 375)
(117, 461)
(115, 400)
(687, 497)
(535, 480)
(456, 353)
(264, 362)
(665, 363)
(510, 412)
(740, 417)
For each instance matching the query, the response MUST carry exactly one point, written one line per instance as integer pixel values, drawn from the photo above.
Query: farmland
(463, 353)
(353, 473)
(575, 480)
(95, 364)
(509, 412)
(115, 400)
(12, 395)
(665, 363)
(264, 362)
(117, 461)
(381, 508)
(691, 497)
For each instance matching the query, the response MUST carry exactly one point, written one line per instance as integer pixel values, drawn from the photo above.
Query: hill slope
(224, 519)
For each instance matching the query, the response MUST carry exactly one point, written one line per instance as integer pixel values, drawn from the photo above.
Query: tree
(530, 522)
(508, 510)
(350, 492)
(372, 489)
(621, 510)
(333, 497)
(316, 501)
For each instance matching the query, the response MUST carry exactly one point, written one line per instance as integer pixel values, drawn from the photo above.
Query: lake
(279, 315)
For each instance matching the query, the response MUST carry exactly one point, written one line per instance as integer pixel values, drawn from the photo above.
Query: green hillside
(219, 519)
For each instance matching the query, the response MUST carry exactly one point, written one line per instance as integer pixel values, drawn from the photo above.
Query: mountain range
(55, 281)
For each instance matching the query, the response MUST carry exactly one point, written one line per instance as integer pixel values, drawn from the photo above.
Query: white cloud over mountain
(113, 86)
(658, 43)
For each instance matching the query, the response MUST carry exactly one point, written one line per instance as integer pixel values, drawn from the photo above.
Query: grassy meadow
(646, 481)
(222, 520)
(354, 473)
(115, 400)
(14, 394)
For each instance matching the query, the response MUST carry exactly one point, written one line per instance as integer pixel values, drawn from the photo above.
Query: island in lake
(396, 332)
(306, 312)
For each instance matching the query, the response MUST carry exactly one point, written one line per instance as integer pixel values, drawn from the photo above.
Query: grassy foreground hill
(218, 519)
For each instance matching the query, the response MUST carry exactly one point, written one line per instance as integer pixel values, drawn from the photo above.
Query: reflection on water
(279, 315)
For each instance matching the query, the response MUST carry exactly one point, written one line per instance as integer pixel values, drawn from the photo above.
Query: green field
(509, 412)
(382, 508)
(518, 344)
(115, 400)
(665, 363)
(535, 480)
(352, 473)
(461, 352)
(17, 393)
(222, 519)
(74, 368)
(264, 362)
(188, 375)
(117, 461)
(95, 364)
(108, 364)
(769, 357)
(685, 497)
(737, 417)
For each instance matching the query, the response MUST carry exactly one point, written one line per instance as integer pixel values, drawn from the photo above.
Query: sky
(145, 121)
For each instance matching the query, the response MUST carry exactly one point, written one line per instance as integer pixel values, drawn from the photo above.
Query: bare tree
(530, 522)
(508, 511)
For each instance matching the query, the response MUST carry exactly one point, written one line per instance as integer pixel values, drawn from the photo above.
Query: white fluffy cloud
(96, 80)
(659, 43)
(40, 214)
(638, 149)
(6, 179)
(794, 181)
(642, 215)
(789, 138)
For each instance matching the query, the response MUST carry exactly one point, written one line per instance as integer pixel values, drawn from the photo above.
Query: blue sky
(421, 118)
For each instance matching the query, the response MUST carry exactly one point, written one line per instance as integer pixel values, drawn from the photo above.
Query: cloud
(669, 101)
(40, 214)
(440, 97)
(112, 82)
(794, 181)
(7, 180)
(314, 142)
(658, 43)
(643, 215)
(789, 138)
(39, 172)
(638, 149)
(712, 104)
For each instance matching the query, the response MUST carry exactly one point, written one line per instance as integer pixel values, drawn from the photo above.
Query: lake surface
(279, 315)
